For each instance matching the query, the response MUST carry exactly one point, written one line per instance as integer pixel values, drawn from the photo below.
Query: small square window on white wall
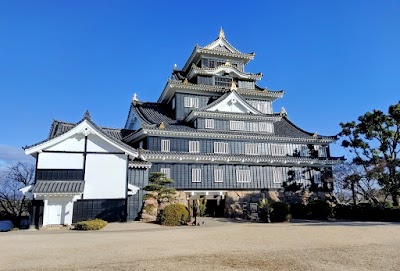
(166, 171)
(196, 175)
(165, 145)
(209, 123)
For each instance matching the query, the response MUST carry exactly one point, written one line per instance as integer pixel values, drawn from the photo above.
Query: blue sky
(334, 59)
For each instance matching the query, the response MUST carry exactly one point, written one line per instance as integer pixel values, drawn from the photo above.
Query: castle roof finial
(221, 33)
(87, 115)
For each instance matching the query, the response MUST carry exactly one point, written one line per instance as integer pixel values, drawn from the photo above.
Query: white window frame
(194, 146)
(236, 125)
(322, 151)
(298, 175)
(192, 102)
(218, 175)
(166, 171)
(304, 151)
(209, 123)
(253, 126)
(277, 176)
(165, 145)
(252, 148)
(196, 175)
(221, 147)
(277, 150)
(266, 127)
(243, 176)
(317, 177)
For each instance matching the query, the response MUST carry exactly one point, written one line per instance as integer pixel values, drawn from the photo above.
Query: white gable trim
(220, 70)
(235, 103)
(86, 128)
(219, 43)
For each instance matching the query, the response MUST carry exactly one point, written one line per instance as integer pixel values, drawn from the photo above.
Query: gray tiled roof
(58, 186)
(155, 113)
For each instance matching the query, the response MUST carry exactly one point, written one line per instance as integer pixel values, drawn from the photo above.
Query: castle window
(317, 177)
(166, 171)
(194, 146)
(253, 126)
(209, 123)
(196, 175)
(211, 63)
(266, 127)
(221, 147)
(304, 151)
(277, 150)
(222, 81)
(165, 145)
(243, 176)
(218, 175)
(236, 125)
(252, 148)
(322, 151)
(277, 176)
(298, 176)
(191, 102)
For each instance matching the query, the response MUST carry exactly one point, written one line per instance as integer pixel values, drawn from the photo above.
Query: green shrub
(318, 209)
(280, 212)
(174, 215)
(90, 225)
(298, 210)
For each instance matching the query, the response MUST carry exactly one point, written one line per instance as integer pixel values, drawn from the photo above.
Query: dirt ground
(220, 245)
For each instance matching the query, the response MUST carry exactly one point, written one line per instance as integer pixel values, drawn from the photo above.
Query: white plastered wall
(50, 160)
(105, 176)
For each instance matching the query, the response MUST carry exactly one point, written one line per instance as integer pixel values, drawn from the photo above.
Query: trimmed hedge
(298, 210)
(280, 212)
(175, 215)
(90, 225)
(367, 212)
(318, 209)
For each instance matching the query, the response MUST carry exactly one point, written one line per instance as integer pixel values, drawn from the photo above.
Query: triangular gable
(85, 127)
(134, 121)
(222, 44)
(232, 102)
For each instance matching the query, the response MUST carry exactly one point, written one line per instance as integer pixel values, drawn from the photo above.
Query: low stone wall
(239, 203)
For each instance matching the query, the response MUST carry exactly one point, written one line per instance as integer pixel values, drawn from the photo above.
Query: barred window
(218, 175)
(194, 146)
(277, 150)
(266, 127)
(221, 147)
(166, 171)
(191, 102)
(304, 151)
(317, 177)
(236, 125)
(165, 145)
(252, 148)
(277, 176)
(223, 81)
(209, 123)
(243, 176)
(322, 151)
(298, 175)
(196, 175)
(253, 126)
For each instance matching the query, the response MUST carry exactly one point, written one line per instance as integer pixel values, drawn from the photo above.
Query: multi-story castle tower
(213, 131)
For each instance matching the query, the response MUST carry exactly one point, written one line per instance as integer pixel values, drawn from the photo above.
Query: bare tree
(12, 178)
(353, 184)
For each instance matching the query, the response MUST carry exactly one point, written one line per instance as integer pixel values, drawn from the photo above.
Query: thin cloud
(12, 154)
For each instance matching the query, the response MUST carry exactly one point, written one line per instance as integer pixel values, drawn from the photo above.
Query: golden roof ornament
(185, 81)
(315, 135)
(233, 85)
(161, 126)
(227, 63)
(221, 34)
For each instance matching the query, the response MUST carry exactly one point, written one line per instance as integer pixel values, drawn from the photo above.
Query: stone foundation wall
(238, 203)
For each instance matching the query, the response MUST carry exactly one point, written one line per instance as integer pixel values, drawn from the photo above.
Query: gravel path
(221, 245)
